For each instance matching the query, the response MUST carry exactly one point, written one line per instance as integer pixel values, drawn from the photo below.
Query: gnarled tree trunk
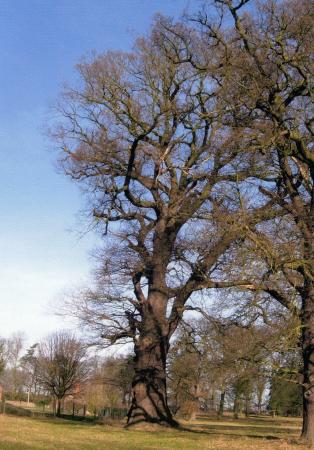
(308, 364)
(149, 390)
(307, 322)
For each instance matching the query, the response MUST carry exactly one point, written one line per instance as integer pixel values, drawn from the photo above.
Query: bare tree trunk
(308, 420)
(307, 322)
(149, 392)
(236, 406)
(58, 413)
(308, 364)
(221, 404)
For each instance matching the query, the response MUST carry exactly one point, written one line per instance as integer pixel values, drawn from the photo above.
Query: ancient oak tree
(143, 133)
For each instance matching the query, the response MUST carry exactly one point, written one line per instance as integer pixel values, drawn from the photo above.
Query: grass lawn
(17, 433)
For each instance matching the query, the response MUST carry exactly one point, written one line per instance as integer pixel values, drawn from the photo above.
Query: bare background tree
(29, 365)
(233, 356)
(268, 73)
(61, 365)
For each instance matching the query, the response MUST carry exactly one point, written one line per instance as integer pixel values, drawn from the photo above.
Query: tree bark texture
(308, 364)
(149, 390)
(307, 323)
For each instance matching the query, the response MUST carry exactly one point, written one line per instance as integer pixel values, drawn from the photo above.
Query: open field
(17, 433)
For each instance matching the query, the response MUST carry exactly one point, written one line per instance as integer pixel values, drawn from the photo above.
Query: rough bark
(307, 322)
(149, 390)
(307, 434)
(308, 362)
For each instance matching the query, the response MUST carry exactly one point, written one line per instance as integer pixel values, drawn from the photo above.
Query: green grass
(17, 433)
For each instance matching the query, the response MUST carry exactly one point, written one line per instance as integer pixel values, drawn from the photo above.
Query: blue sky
(40, 42)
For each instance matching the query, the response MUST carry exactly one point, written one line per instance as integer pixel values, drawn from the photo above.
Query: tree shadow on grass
(66, 421)
(245, 429)
(227, 435)
(242, 431)
(253, 420)
(198, 429)
(230, 435)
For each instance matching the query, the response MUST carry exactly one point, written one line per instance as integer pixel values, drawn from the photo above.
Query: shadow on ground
(255, 427)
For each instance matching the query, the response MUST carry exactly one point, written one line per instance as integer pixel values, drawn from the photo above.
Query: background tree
(186, 373)
(110, 382)
(29, 364)
(267, 66)
(12, 376)
(61, 365)
(2, 355)
(285, 398)
(231, 354)
(14, 349)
